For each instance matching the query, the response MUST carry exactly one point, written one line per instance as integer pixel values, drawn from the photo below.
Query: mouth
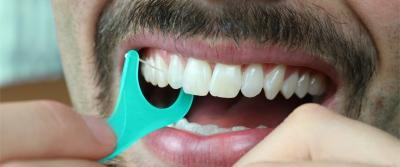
(241, 94)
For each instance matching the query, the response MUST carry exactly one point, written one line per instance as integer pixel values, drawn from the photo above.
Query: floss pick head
(134, 117)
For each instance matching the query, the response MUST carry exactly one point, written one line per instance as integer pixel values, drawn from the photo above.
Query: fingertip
(102, 132)
(310, 107)
(309, 111)
(99, 127)
(33, 129)
(52, 105)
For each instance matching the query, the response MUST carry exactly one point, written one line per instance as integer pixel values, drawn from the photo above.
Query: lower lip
(184, 148)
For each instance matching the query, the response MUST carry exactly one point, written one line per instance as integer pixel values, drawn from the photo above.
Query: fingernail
(101, 130)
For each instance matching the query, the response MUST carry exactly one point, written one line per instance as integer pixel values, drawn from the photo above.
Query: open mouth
(237, 102)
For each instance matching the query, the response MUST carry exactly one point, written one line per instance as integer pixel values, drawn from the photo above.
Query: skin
(376, 128)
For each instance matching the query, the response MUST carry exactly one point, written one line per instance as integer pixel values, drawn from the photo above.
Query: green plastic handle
(134, 117)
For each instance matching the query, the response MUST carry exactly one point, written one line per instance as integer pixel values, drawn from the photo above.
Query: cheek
(381, 104)
(381, 20)
(376, 11)
(76, 24)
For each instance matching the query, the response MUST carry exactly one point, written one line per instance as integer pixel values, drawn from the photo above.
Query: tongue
(242, 111)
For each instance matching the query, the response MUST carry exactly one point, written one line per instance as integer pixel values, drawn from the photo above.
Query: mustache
(352, 54)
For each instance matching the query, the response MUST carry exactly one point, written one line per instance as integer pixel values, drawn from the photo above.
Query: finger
(53, 163)
(308, 164)
(48, 130)
(312, 132)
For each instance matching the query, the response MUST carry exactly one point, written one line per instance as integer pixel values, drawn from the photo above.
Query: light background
(28, 49)
(30, 67)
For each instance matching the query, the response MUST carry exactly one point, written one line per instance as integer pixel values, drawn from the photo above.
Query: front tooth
(289, 86)
(262, 126)
(146, 70)
(239, 128)
(181, 123)
(175, 72)
(273, 81)
(253, 80)
(161, 71)
(302, 85)
(226, 81)
(211, 130)
(152, 71)
(317, 85)
(196, 77)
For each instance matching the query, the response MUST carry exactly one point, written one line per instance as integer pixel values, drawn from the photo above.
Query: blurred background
(30, 66)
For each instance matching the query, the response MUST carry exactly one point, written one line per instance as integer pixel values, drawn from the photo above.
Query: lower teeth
(206, 130)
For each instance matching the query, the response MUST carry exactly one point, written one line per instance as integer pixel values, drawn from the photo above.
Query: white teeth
(146, 70)
(273, 81)
(181, 123)
(175, 72)
(151, 70)
(161, 71)
(302, 85)
(261, 126)
(253, 80)
(206, 130)
(196, 77)
(289, 86)
(317, 85)
(226, 81)
(239, 128)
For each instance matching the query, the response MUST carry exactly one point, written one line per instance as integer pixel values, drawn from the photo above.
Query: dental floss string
(150, 65)
(145, 62)
(134, 117)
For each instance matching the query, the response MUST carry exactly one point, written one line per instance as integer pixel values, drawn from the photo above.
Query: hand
(314, 136)
(45, 133)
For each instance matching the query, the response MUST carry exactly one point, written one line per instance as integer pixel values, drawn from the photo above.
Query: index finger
(50, 130)
(313, 133)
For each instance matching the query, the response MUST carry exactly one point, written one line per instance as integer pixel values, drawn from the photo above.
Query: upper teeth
(226, 81)
(197, 77)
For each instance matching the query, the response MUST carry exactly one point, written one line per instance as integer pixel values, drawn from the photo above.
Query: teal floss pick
(134, 117)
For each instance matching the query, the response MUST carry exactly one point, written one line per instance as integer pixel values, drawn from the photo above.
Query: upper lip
(229, 52)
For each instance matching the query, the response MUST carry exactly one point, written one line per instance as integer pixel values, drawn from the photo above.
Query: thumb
(314, 133)
(51, 130)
